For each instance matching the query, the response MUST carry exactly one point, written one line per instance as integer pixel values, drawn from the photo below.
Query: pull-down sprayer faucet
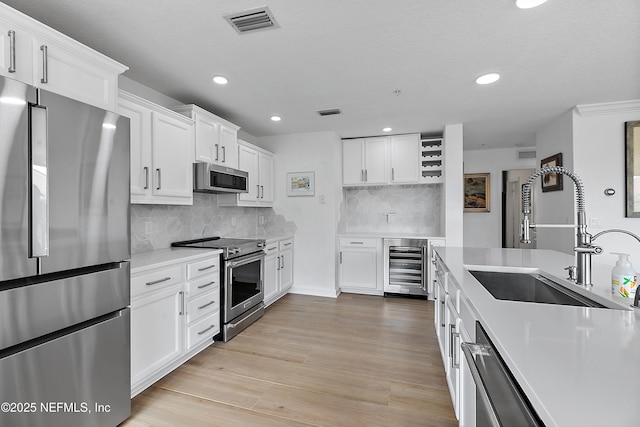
(584, 249)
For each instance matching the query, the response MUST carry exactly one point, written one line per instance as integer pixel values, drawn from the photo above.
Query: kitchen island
(578, 366)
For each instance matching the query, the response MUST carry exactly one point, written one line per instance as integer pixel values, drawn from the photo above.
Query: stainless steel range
(242, 278)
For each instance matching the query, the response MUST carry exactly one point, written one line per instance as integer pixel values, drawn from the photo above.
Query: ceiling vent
(251, 20)
(331, 112)
(527, 154)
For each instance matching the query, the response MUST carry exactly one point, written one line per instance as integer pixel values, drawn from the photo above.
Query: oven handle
(236, 263)
(471, 349)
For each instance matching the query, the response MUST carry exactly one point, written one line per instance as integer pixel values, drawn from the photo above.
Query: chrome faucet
(584, 248)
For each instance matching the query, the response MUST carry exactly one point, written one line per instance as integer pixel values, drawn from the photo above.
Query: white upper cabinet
(161, 152)
(258, 163)
(364, 161)
(381, 160)
(216, 138)
(405, 158)
(40, 56)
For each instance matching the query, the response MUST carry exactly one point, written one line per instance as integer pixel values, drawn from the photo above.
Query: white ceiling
(353, 55)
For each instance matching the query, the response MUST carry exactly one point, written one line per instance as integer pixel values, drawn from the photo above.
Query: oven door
(244, 287)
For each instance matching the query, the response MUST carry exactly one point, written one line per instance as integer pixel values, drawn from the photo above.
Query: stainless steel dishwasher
(406, 266)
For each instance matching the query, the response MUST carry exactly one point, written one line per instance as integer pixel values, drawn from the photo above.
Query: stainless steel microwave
(210, 178)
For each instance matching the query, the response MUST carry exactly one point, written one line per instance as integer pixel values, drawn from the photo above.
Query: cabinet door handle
(206, 285)
(282, 257)
(207, 268)
(208, 329)
(340, 257)
(366, 175)
(362, 175)
(206, 305)
(159, 177)
(257, 191)
(217, 152)
(393, 175)
(45, 64)
(183, 310)
(455, 362)
(262, 191)
(224, 154)
(146, 177)
(155, 282)
(12, 51)
(452, 328)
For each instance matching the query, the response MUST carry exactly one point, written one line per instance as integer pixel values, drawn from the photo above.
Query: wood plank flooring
(355, 360)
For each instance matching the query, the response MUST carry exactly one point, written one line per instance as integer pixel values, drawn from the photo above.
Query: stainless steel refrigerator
(64, 270)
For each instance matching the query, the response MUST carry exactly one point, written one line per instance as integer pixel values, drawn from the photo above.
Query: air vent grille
(527, 154)
(331, 112)
(252, 20)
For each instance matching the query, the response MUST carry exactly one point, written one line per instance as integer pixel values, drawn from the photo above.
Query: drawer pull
(206, 284)
(155, 282)
(288, 244)
(273, 248)
(206, 305)
(206, 330)
(357, 243)
(207, 268)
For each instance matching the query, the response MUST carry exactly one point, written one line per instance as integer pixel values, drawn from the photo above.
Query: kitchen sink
(530, 287)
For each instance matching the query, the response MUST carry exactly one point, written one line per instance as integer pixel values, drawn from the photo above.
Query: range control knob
(234, 251)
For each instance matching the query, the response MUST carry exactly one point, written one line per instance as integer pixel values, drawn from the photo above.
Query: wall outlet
(261, 220)
(234, 221)
(148, 227)
(322, 199)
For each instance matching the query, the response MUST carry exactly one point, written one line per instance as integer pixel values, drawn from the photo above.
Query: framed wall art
(477, 192)
(632, 133)
(301, 184)
(551, 181)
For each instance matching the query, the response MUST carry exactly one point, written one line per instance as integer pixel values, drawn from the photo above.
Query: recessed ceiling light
(528, 4)
(276, 118)
(221, 80)
(488, 78)
(387, 130)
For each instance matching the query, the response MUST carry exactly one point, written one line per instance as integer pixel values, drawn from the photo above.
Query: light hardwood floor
(310, 361)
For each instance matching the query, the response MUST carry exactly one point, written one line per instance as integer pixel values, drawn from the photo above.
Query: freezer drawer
(29, 311)
(78, 379)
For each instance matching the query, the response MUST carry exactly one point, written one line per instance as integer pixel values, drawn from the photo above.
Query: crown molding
(608, 108)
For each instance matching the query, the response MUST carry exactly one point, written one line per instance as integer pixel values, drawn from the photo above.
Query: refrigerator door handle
(39, 183)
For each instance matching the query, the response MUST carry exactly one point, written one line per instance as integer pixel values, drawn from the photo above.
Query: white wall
(484, 229)
(316, 222)
(556, 207)
(453, 196)
(599, 159)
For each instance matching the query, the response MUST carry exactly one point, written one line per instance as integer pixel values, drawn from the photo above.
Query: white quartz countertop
(161, 257)
(579, 366)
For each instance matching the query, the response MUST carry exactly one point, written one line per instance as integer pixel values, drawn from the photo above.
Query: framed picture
(632, 134)
(477, 192)
(551, 181)
(301, 184)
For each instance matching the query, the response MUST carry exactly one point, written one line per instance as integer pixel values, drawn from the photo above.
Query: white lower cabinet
(453, 320)
(175, 312)
(360, 265)
(278, 269)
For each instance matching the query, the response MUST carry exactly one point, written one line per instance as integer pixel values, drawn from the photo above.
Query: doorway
(512, 182)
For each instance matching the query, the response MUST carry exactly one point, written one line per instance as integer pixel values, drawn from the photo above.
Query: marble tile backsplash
(411, 208)
(204, 218)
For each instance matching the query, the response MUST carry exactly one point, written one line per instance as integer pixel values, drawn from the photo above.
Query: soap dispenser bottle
(623, 277)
